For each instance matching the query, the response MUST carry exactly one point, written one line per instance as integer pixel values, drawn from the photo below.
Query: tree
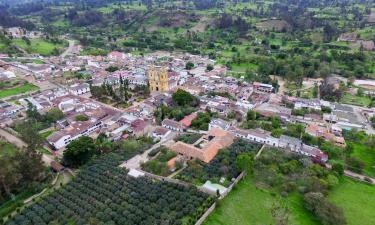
(54, 115)
(373, 121)
(81, 117)
(280, 213)
(245, 162)
(355, 164)
(189, 65)
(251, 115)
(338, 168)
(112, 69)
(326, 212)
(9, 176)
(28, 131)
(209, 67)
(184, 98)
(79, 151)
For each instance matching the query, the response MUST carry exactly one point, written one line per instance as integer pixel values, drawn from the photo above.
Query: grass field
(367, 155)
(247, 204)
(355, 100)
(38, 46)
(18, 90)
(357, 200)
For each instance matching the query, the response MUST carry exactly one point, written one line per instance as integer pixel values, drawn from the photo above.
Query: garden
(159, 164)
(223, 165)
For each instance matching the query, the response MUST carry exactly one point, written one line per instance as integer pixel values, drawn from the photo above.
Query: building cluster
(164, 73)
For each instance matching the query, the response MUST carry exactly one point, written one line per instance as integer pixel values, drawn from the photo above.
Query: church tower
(158, 79)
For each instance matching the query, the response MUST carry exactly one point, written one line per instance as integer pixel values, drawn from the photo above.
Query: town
(197, 112)
(170, 98)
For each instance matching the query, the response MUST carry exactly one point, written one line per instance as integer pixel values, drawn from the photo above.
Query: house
(219, 123)
(140, 128)
(367, 45)
(160, 132)
(186, 121)
(348, 37)
(323, 132)
(79, 89)
(56, 166)
(263, 87)
(291, 143)
(207, 147)
(313, 152)
(307, 104)
(256, 135)
(75, 130)
(172, 125)
(117, 56)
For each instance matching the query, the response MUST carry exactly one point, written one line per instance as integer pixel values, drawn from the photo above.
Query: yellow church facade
(158, 79)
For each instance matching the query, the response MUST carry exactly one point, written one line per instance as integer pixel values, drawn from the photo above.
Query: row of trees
(24, 169)
(103, 193)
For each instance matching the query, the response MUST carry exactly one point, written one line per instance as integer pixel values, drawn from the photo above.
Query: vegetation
(115, 197)
(38, 120)
(80, 151)
(202, 121)
(81, 117)
(189, 138)
(159, 165)
(224, 164)
(249, 204)
(355, 200)
(18, 90)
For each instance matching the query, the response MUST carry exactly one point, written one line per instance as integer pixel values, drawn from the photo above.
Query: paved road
(68, 50)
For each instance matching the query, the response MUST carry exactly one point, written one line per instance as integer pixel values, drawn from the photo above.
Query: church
(158, 79)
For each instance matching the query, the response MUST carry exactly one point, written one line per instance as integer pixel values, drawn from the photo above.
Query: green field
(38, 46)
(18, 90)
(357, 200)
(247, 204)
(355, 100)
(367, 155)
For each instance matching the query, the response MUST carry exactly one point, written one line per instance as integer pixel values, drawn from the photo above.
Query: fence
(235, 182)
(213, 206)
(206, 214)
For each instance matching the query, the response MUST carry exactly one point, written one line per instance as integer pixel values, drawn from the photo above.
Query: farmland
(115, 197)
(24, 88)
(39, 46)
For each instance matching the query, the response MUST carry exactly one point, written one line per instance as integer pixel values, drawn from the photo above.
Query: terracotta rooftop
(216, 139)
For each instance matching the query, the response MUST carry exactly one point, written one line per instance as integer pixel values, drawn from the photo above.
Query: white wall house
(79, 89)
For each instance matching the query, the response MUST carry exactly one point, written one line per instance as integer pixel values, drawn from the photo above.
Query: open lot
(248, 204)
(357, 200)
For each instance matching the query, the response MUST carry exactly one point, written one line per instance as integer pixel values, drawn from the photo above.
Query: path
(69, 49)
(21, 144)
(136, 161)
(356, 176)
(259, 152)
(12, 139)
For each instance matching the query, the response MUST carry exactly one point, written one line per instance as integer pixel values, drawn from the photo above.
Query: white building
(62, 138)
(79, 89)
